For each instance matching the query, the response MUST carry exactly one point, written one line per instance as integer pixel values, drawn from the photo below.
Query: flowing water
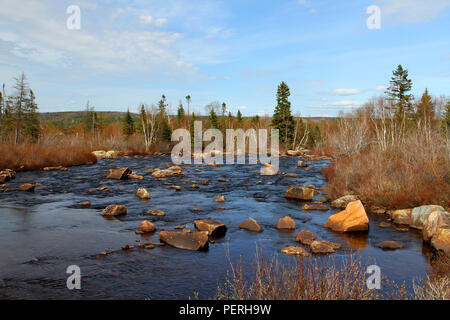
(44, 232)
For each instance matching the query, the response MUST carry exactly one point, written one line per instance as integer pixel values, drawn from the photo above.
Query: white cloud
(380, 88)
(345, 92)
(149, 20)
(412, 11)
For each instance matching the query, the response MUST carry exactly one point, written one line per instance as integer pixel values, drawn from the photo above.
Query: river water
(44, 232)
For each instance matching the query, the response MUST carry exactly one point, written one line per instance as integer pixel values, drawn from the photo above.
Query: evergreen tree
(398, 91)
(166, 130)
(213, 121)
(255, 121)
(180, 114)
(230, 120)
(128, 127)
(224, 109)
(446, 115)
(425, 108)
(192, 128)
(32, 123)
(282, 118)
(239, 117)
(315, 136)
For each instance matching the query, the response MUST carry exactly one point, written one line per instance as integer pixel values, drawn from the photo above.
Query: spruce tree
(398, 91)
(33, 126)
(425, 108)
(180, 114)
(239, 117)
(213, 121)
(282, 118)
(128, 124)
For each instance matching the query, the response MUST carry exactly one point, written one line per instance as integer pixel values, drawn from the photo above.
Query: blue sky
(233, 51)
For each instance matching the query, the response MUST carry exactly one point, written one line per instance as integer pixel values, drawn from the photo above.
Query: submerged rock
(118, 174)
(143, 194)
(324, 247)
(305, 237)
(290, 175)
(146, 227)
(300, 193)
(27, 187)
(343, 202)
(59, 168)
(220, 199)
(295, 251)
(390, 245)
(214, 228)
(156, 212)
(315, 207)
(353, 218)
(193, 241)
(301, 164)
(114, 210)
(251, 225)
(135, 176)
(285, 223)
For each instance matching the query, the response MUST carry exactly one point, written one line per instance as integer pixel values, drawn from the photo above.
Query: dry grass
(308, 279)
(411, 174)
(435, 286)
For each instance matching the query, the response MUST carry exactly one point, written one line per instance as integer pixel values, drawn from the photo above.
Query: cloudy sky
(233, 51)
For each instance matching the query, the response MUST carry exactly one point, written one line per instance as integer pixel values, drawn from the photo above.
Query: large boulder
(343, 202)
(324, 247)
(114, 210)
(441, 241)
(433, 223)
(194, 241)
(118, 174)
(303, 193)
(251, 225)
(143, 194)
(420, 215)
(214, 228)
(295, 251)
(146, 227)
(286, 223)
(269, 170)
(353, 218)
(402, 217)
(305, 237)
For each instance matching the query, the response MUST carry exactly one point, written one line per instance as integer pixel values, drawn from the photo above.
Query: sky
(126, 53)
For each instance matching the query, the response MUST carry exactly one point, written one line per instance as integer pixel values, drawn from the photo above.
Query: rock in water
(295, 251)
(315, 207)
(193, 241)
(114, 210)
(390, 245)
(156, 212)
(269, 170)
(353, 218)
(143, 194)
(286, 223)
(290, 175)
(118, 174)
(305, 237)
(27, 187)
(220, 199)
(324, 247)
(293, 153)
(303, 193)
(402, 217)
(214, 228)
(59, 168)
(146, 227)
(343, 202)
(301, 164)
(251, 225)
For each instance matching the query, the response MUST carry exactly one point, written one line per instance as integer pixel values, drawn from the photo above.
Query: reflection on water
(42, 233)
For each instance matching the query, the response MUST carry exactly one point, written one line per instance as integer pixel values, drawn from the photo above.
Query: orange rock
(220, 199)
(286, 223)
(146, 227)
(85, 204)
(353, 218)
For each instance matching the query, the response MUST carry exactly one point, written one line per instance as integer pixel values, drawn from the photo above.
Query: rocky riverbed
(60, 224)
